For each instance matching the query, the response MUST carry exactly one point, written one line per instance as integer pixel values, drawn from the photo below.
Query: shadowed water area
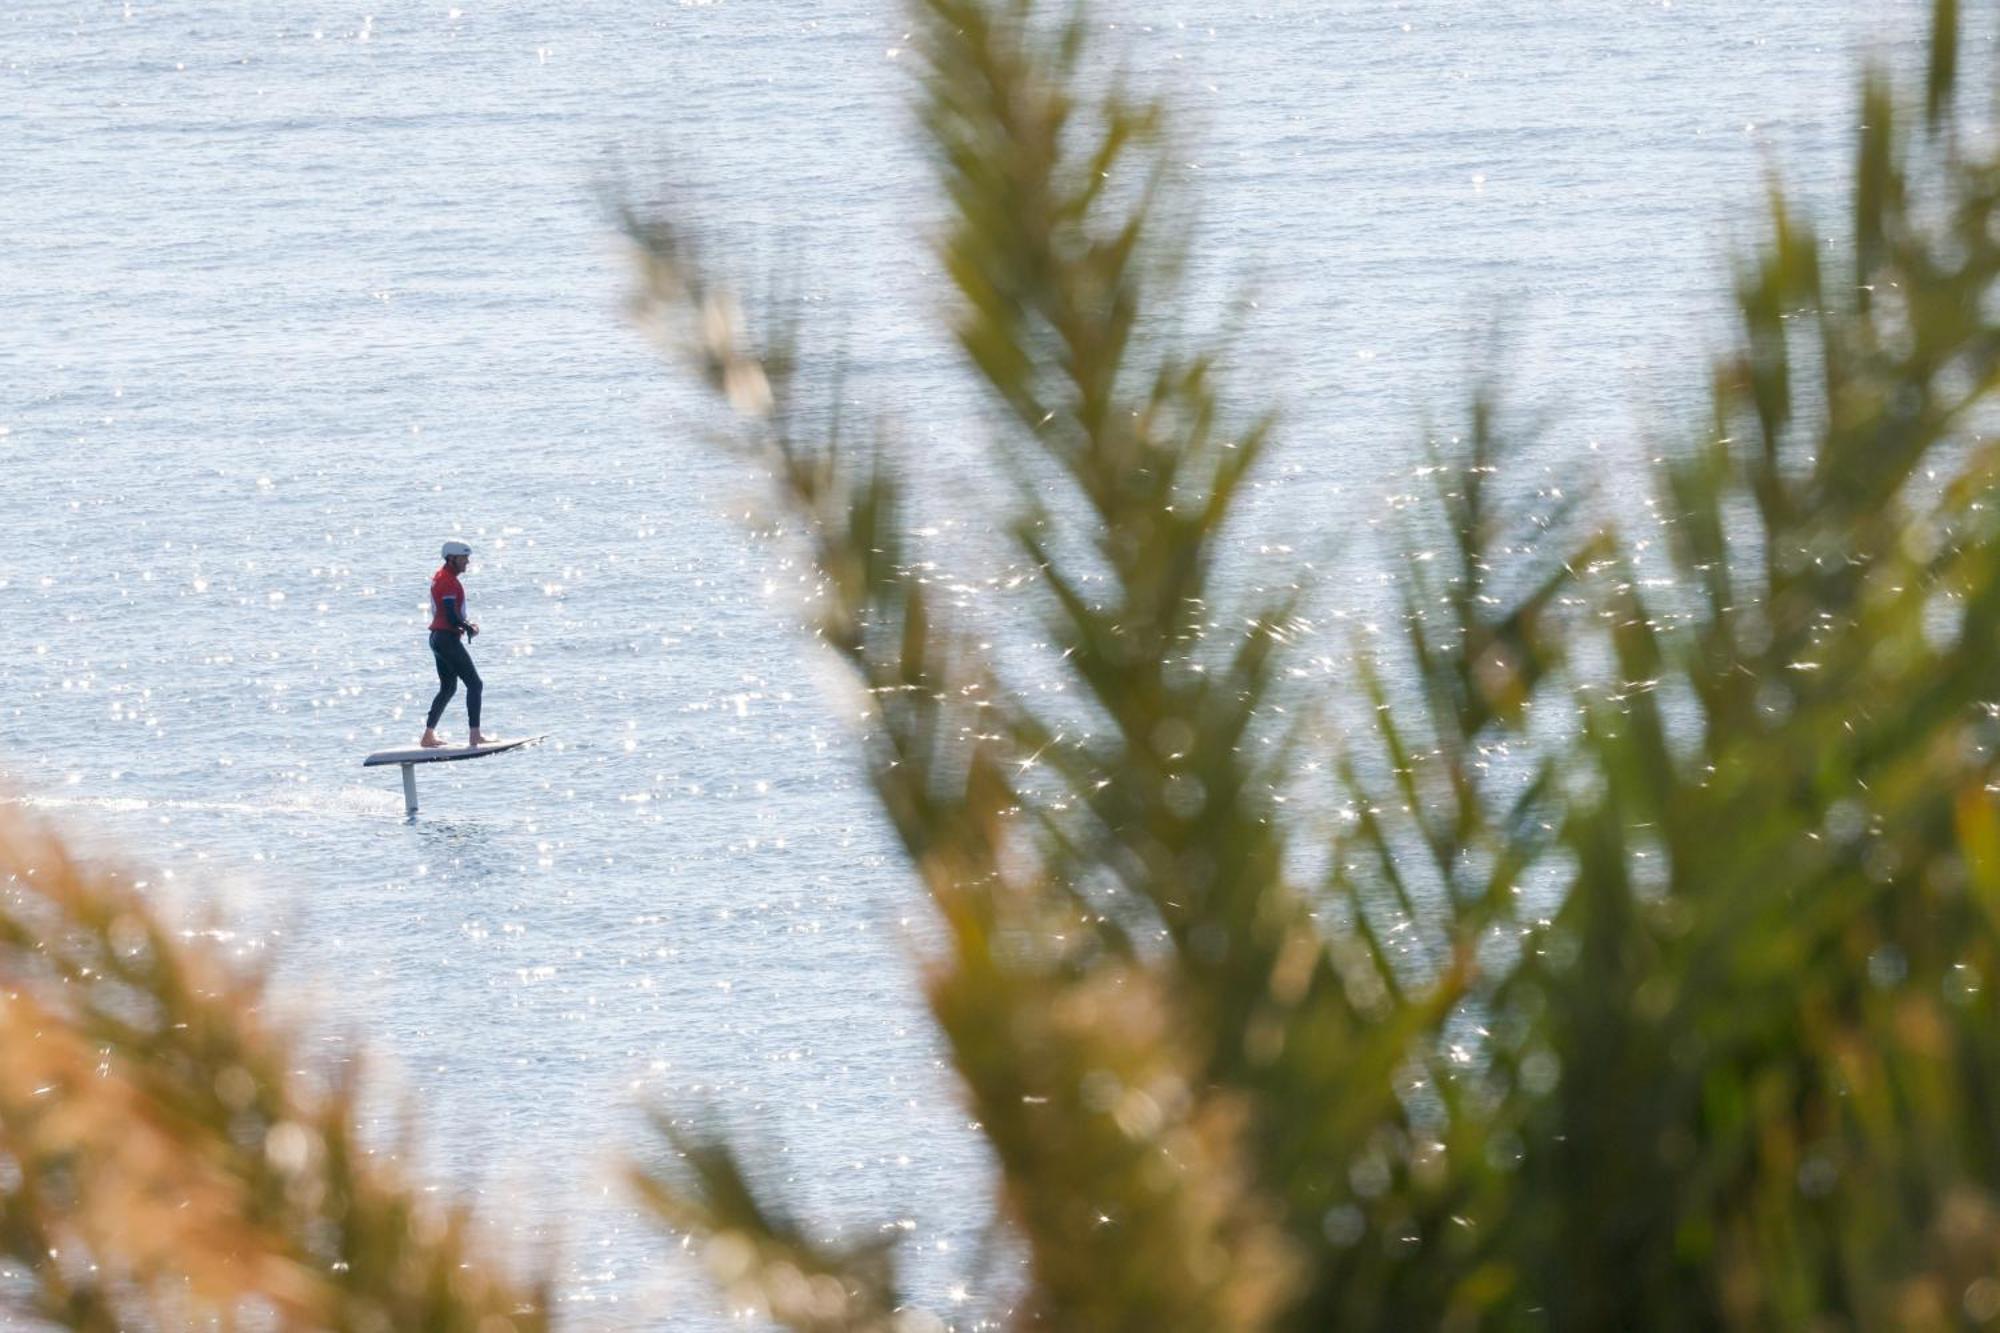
(293, 293)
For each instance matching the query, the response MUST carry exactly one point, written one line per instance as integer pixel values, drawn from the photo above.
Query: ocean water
(292, 292)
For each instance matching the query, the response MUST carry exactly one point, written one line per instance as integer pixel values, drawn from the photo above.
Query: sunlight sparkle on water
(611, 579)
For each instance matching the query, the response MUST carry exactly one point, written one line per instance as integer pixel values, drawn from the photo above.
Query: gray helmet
(456, 548)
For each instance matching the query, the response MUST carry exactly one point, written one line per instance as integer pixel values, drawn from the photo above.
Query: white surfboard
(444, 754)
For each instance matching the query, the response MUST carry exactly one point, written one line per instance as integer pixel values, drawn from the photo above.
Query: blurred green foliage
(1647, 981)
(1647, 986)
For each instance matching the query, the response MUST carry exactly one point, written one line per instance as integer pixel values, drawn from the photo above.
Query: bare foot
(477, 740)
(431, 740)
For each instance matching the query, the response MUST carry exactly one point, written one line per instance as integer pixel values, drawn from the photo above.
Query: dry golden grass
(165, 1161)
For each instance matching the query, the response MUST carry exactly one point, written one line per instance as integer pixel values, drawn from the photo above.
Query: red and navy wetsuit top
(447, 602)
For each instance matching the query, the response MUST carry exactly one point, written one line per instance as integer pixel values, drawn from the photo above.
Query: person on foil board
(450, 631)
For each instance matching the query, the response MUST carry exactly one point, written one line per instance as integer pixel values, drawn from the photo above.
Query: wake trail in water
(346, 803)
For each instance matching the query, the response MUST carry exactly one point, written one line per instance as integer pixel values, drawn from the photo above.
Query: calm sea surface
(291, 292)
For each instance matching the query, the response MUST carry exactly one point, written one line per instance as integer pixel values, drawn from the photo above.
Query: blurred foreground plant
(164, 1161)
(1649, 985)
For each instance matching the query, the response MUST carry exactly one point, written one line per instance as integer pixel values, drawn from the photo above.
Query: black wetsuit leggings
(454, 664)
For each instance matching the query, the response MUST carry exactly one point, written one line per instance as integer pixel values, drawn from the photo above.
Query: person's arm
(453, 616)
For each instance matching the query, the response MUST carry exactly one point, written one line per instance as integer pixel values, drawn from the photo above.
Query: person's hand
(472, 631)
